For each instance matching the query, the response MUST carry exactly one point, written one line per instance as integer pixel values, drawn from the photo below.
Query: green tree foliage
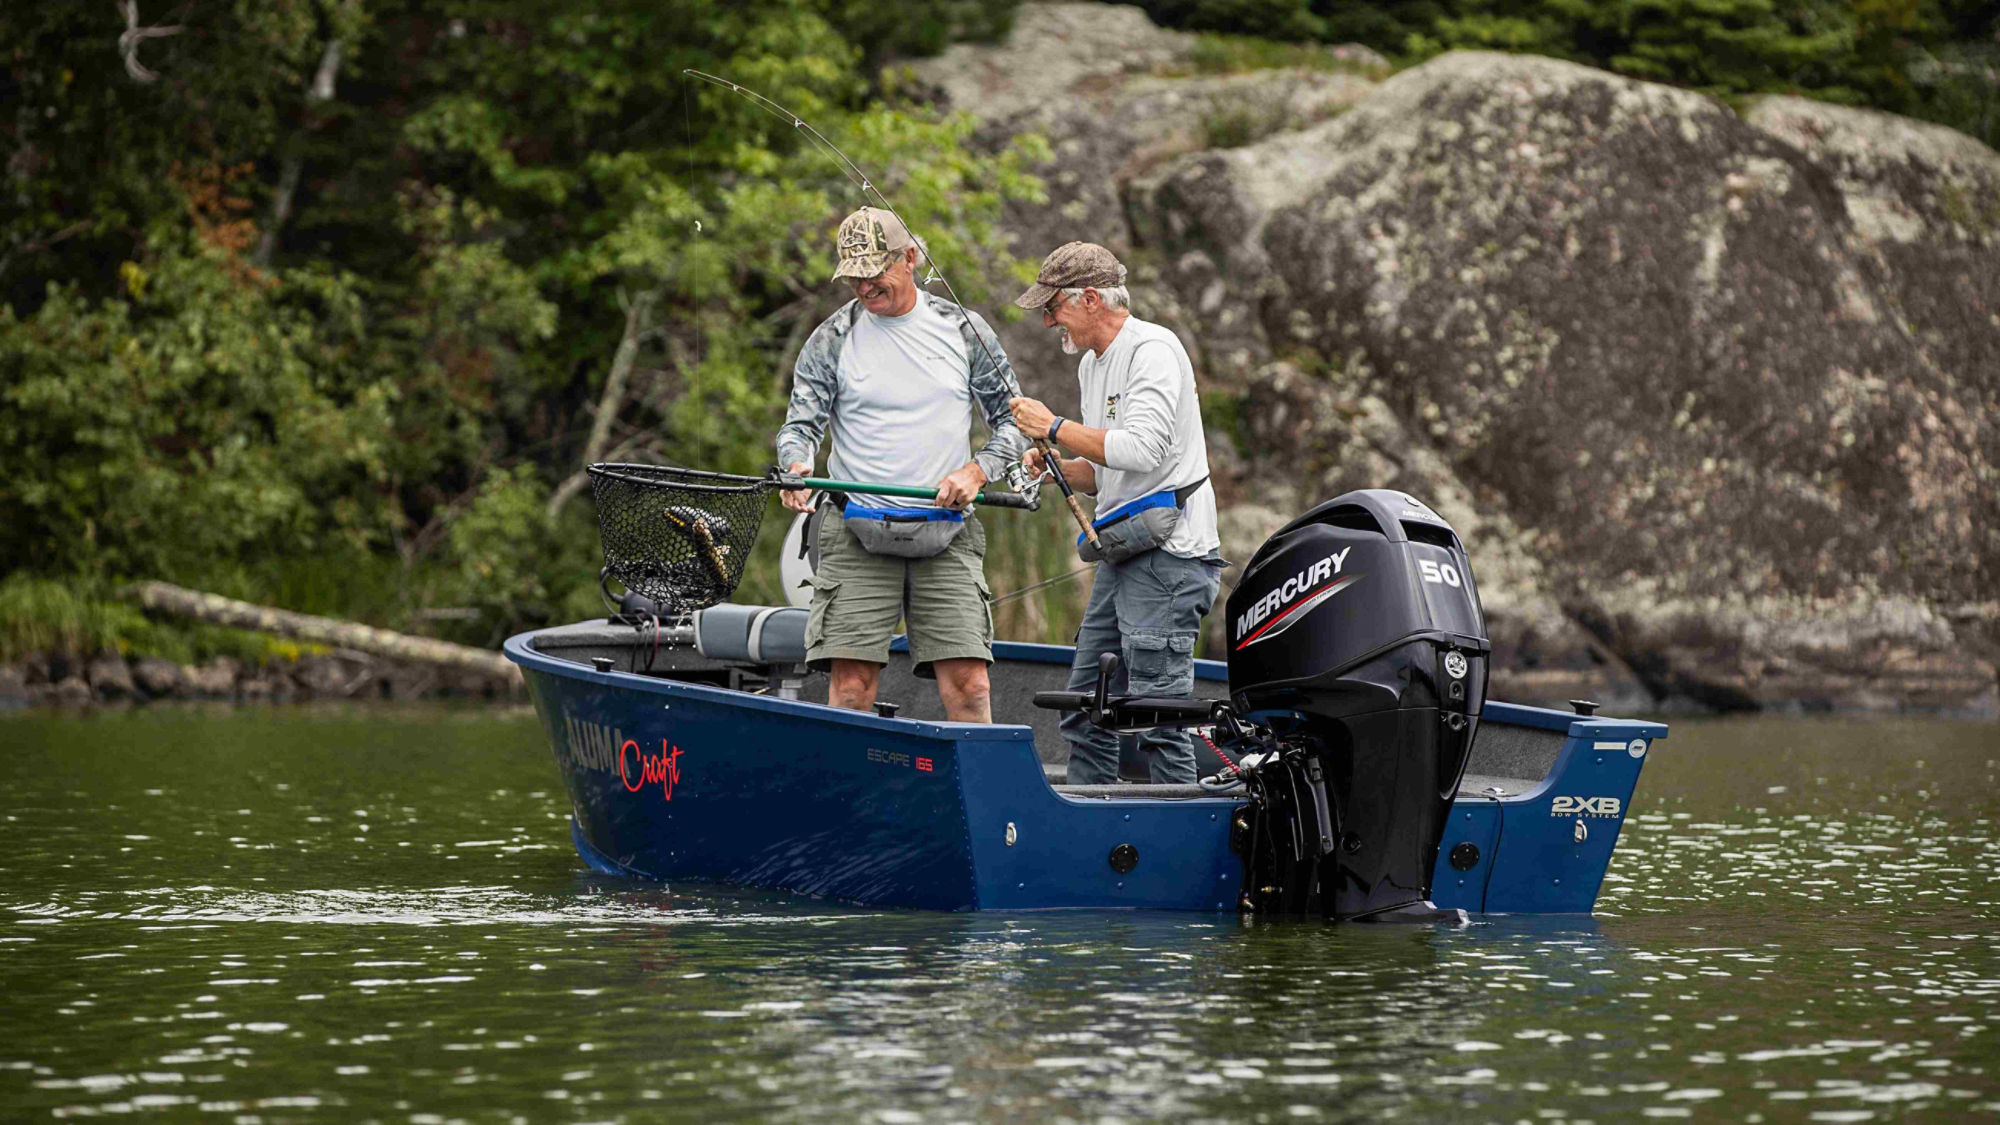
(324, 314)
(883, 32)
(186, 420)
(1269, 19)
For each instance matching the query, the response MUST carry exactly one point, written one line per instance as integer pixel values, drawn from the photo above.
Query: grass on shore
(40, 615)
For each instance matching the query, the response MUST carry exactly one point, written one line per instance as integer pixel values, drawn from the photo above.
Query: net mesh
(679, 536)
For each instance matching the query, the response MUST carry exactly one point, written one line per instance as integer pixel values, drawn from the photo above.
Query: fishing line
(1050, 454)
(857, 176)
(1044, 582)
(694, 273)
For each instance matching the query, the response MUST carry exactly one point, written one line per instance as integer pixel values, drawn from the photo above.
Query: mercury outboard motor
(1357, 672)
(1358, 646)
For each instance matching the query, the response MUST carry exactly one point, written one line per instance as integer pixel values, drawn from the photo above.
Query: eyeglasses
(1054, 304)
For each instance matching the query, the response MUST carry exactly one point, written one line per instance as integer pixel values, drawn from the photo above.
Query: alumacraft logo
(607, 750)
(591, 746)
(1293, 599)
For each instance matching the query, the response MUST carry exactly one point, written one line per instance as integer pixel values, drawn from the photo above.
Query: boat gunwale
(521, 652)
(520, 649)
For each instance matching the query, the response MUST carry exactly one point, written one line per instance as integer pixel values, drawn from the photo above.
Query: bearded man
(1138, 447)
(896, 374)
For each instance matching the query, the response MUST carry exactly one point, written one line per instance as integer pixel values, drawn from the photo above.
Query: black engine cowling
(1357, 638)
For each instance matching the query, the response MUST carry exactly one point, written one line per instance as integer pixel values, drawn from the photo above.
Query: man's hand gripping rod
(1017, 476)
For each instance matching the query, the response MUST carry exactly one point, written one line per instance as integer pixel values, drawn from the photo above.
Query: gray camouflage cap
(1073, 265)
(869, 240)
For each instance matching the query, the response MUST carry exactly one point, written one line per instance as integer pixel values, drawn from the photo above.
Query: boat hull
(674, 780)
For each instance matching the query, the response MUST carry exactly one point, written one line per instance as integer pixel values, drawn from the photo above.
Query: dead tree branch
(163, 598)
(128, 43)
(288, 176)
(637, 310)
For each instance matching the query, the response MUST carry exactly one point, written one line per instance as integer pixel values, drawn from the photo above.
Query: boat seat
(754, 634)
(1152, 792)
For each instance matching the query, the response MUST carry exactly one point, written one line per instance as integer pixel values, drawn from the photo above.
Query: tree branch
(637, 310)
(41, 244)
(128, 42)
(163, 598)
(288, 176)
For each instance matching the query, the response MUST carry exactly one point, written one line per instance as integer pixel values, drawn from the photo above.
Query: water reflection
(335, 916)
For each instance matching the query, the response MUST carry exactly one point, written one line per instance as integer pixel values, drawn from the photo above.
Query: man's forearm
(1081, 474)
(996, 455)
(794, 451)
(1081, 441)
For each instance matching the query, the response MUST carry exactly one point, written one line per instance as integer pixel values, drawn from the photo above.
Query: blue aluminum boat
(680, 766)
(1360, 772)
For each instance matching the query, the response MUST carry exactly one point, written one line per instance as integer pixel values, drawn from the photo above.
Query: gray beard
(1068, 345)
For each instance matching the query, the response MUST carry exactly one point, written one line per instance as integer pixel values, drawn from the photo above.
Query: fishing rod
(997, 499)
(1050, 456)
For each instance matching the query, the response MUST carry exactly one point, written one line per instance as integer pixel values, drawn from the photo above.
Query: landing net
(679, 536)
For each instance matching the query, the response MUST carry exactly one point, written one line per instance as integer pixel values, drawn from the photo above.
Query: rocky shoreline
(70, 680)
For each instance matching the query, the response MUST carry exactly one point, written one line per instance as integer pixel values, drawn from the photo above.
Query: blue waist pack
(1131, 529)
(909, 533)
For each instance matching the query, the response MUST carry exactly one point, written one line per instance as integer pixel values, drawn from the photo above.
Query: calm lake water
(274, 915)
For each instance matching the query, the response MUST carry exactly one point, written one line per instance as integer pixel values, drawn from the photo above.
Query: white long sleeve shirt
(1141, 391)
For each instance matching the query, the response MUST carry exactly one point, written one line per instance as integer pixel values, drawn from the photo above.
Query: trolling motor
(1357, 673)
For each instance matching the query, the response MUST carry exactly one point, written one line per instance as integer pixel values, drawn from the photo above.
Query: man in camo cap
(1137, 445)
(896, 374)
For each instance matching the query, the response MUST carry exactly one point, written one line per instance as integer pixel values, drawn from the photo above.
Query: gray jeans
(1148, 610)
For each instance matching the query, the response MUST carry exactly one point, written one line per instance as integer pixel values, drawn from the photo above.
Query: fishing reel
(1027, 484)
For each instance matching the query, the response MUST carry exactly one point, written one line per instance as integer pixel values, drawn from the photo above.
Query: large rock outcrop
(1711, 396)
(1116, 97)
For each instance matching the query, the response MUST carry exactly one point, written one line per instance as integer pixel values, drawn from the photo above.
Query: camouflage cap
(869, 240)
(1073, 265)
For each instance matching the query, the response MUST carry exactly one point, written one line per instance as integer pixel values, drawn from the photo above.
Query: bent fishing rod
(1050, 455)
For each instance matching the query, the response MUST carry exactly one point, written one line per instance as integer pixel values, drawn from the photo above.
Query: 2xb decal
(1586, 806)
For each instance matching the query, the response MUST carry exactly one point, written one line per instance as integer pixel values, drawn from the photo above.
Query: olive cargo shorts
(858, 598)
